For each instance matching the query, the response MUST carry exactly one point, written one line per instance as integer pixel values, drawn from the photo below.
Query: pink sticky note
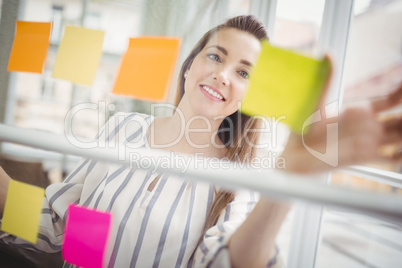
(86, 236)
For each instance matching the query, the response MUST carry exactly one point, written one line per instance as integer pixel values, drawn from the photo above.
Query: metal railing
(276, 184)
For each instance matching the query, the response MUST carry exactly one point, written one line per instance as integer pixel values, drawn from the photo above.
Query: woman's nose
(222, 77)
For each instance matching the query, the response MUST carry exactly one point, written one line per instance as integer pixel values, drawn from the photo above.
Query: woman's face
(219, 75)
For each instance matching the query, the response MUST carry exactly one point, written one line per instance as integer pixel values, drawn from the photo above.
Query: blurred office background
(364, 37)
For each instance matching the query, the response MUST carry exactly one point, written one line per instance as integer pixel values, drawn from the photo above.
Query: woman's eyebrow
(245, 62)
(225, 52)
(222, 49)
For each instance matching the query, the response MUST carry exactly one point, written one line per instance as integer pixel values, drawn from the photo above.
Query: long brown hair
(239, 124)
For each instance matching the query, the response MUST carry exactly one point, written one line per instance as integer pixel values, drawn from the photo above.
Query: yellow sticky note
(286, 85)
(79, 54)
(147, 68)
(22, 210)
(30, 45)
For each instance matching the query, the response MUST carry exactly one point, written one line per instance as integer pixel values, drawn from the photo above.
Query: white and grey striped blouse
(158, 228)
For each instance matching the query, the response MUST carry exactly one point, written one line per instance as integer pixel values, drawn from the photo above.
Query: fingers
(397, 157)
(389, 101)
(390, 150)
(392, 131)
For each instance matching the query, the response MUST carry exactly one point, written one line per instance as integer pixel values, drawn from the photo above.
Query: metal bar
(382, 176)
(276, 184)
(333, 38)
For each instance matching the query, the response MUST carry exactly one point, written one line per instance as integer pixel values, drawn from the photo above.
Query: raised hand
(363, 136)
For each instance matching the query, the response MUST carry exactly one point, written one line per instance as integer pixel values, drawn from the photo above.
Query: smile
(212, 93)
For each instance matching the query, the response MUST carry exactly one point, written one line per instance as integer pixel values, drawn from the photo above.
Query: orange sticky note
(79, 55)
(22, 210)
(29, 50)
(147, 68)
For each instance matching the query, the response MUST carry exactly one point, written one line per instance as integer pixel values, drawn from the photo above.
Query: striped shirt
(150, 228)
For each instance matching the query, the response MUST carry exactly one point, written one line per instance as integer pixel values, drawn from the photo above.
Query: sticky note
(22, 210)
(147, 68)
(79, 54)
(86, 236)
(30, 45)
(285, 85)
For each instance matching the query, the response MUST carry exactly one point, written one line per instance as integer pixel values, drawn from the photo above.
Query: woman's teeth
(213, 93)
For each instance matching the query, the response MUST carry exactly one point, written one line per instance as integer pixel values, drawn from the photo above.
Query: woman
(165, 221)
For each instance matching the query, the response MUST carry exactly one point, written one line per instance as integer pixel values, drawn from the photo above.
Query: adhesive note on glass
(79, 54)
(86, 236)
(147, 68)
(30, 45)
(22, 210)
(286, 85)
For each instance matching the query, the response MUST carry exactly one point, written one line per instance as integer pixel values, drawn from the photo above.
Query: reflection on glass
(373, 63)
(373, 67)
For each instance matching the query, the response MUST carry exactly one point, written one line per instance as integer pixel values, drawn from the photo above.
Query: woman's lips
(212, 93)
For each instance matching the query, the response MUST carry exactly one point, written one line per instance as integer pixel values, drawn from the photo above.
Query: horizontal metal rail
(382, 176)
(270, 183)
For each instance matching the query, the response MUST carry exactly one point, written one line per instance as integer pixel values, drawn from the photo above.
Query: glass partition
(373, 68)
(373, 65)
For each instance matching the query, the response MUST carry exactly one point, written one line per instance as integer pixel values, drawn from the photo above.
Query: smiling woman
(220, 71)
(151, 211)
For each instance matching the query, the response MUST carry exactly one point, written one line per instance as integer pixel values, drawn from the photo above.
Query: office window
(372, 68)
(373, 65)
(42, 102)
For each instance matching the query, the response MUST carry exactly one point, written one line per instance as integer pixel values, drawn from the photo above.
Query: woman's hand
(4, 181)
(362, 136)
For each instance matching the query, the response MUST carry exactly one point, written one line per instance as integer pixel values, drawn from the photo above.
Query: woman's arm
(4, 181)
(361, 134)
(253, 243)
(52, 216)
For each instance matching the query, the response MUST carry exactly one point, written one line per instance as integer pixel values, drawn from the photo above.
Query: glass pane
(372, 68)
(298, 24)
(42, 101)
(353, 241)
(373, 63)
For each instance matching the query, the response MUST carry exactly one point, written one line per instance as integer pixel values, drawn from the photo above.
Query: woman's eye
(244, 74)
(214, 57)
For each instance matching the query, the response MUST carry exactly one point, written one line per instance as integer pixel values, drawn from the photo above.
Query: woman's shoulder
(130, 125)
(132, 121)
(131, 116)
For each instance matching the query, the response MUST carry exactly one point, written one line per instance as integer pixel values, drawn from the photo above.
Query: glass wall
(373, 67)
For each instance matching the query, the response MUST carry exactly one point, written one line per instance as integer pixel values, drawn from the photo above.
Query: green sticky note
(285, 85)
(22, 210)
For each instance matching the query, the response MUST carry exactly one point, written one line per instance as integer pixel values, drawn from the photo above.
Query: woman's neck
(185, 132)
